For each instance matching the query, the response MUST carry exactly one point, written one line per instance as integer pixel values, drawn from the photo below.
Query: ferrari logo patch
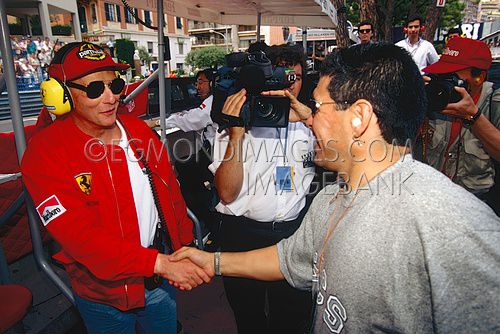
(84, 181)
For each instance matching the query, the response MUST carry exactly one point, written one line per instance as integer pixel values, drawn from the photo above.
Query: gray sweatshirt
(411, 253)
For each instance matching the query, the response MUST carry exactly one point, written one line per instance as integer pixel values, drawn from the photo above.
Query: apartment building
(489, 10)
(104, 20)
(48, 12)
(471, 11)
(233, 37)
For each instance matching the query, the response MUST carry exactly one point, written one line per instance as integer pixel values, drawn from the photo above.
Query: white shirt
(196, 119)
(262, 151)
(147, 215)
(422, 52)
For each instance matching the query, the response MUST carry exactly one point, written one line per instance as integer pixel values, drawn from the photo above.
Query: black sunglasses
(365, 31)
(96, 88)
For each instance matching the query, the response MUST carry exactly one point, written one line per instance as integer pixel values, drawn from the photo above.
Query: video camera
(254, 72)
(441, 91)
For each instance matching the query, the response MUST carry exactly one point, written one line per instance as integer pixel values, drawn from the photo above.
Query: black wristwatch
(473, 118)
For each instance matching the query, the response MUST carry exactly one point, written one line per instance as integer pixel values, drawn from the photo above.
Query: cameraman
(464, 140)
(257, 212)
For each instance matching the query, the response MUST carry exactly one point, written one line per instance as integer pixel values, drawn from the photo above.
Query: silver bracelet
(217, 264)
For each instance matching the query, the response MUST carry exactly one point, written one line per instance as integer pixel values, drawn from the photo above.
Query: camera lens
(264, 109)
(438, 94)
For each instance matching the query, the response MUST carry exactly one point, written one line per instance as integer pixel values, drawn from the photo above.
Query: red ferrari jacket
(82, 192)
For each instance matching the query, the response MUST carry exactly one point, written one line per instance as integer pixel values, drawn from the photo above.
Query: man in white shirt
(196, 119)
(193, 173)
(262, 176)
(422, 51)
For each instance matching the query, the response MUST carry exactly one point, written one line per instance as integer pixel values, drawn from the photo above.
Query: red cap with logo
(461, 53)
(77, 59)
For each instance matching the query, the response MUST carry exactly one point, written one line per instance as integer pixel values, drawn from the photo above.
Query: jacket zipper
(119, 217)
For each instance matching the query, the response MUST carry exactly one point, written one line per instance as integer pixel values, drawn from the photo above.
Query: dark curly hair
(387, 77)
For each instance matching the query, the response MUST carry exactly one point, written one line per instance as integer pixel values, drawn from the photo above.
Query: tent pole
(10, 79)
(163, 85)
(304, 39)
(20, 139)
(141, 87)
(259, 19)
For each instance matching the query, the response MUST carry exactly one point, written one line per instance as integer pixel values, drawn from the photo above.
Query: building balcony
(205, 26)
(210, 42)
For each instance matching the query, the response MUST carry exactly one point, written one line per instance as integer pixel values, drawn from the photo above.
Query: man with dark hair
(395, 246)
(262, 176)
(422, 51)
(463, 140)
(193, 173)
(196, 119)
(453, 32)
(365, 32)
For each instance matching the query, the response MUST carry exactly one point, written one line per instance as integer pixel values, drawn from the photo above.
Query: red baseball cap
(77, 59)
(461, 53)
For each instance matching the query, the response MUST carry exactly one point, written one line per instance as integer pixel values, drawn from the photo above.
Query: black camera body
(254, 72)
(441, 91)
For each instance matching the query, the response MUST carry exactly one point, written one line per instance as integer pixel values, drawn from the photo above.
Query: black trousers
(258, 306)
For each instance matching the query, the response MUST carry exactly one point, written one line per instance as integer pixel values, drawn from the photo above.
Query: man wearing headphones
(422, 51)
(193, 173)
(105, 190)
(196, 119)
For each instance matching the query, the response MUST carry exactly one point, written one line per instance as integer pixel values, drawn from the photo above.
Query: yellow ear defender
(56, 97)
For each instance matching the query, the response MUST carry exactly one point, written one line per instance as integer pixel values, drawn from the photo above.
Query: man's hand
(299, 112)
(202, 259)
(182, 274)
(232, 107)
(465, 108)
(151, 123)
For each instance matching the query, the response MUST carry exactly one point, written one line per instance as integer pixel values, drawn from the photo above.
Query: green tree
(144, 55)
(124, 49)
(211, 56)
(453, 14)
(390, 13)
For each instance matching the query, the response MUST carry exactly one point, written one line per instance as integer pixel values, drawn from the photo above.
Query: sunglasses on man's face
(365, 31)
(96, 88)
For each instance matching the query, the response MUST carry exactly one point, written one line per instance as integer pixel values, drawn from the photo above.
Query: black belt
(258, 225)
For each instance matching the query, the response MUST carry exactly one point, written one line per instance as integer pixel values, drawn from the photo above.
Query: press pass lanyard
(284, 173)
(285, 160)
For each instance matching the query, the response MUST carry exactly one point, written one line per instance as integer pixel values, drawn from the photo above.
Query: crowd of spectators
(31, 56)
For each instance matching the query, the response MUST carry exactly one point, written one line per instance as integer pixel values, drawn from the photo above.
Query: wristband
(217, 264)
(469, 121)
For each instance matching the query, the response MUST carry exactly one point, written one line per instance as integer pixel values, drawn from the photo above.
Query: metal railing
(31, 104)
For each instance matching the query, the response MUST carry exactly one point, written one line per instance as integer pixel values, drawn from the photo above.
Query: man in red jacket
(104, 188)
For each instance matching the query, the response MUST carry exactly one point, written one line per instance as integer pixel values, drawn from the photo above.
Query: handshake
(186, 268)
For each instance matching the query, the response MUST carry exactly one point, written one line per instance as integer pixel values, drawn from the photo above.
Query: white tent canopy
(298, 13)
